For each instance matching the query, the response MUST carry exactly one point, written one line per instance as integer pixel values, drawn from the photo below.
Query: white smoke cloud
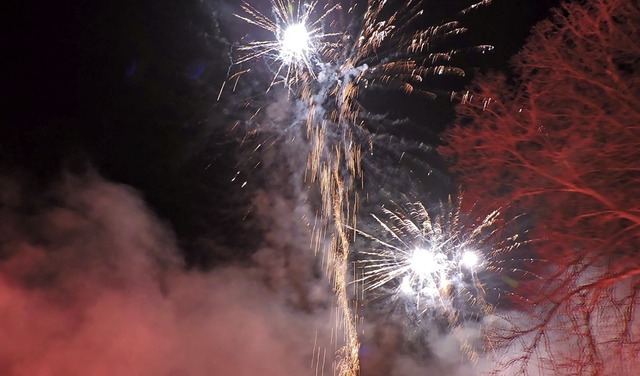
(589, 333)
(91, 284)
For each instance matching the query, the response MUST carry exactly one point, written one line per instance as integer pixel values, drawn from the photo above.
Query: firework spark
(433, 260)
(298, 38)
(392, 52)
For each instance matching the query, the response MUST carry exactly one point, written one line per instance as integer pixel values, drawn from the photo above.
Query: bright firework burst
(298, 38)
(432, 260)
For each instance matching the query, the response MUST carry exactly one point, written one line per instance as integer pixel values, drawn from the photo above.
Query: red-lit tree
(562, 143)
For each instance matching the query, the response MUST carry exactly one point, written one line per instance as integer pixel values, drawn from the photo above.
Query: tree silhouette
(561, 142)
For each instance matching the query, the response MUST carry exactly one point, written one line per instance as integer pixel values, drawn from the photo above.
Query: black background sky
(129, 88)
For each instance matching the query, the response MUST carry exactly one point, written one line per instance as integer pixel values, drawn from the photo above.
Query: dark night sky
(113, 85)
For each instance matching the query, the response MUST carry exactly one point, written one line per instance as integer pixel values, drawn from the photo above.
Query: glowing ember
(295, 42)
(470, 259)
(424, 261)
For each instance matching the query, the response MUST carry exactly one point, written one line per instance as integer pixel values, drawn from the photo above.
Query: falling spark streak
(328, 66)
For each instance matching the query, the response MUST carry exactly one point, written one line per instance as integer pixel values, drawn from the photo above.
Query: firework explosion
(433, 260)
(329, 57)
(298, 39)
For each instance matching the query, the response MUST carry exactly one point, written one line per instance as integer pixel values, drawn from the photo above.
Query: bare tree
(562, 143)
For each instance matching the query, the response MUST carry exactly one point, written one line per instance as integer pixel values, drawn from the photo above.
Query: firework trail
(329, 57)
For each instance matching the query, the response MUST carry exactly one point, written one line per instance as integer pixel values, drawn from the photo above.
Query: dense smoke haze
(92, 283)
